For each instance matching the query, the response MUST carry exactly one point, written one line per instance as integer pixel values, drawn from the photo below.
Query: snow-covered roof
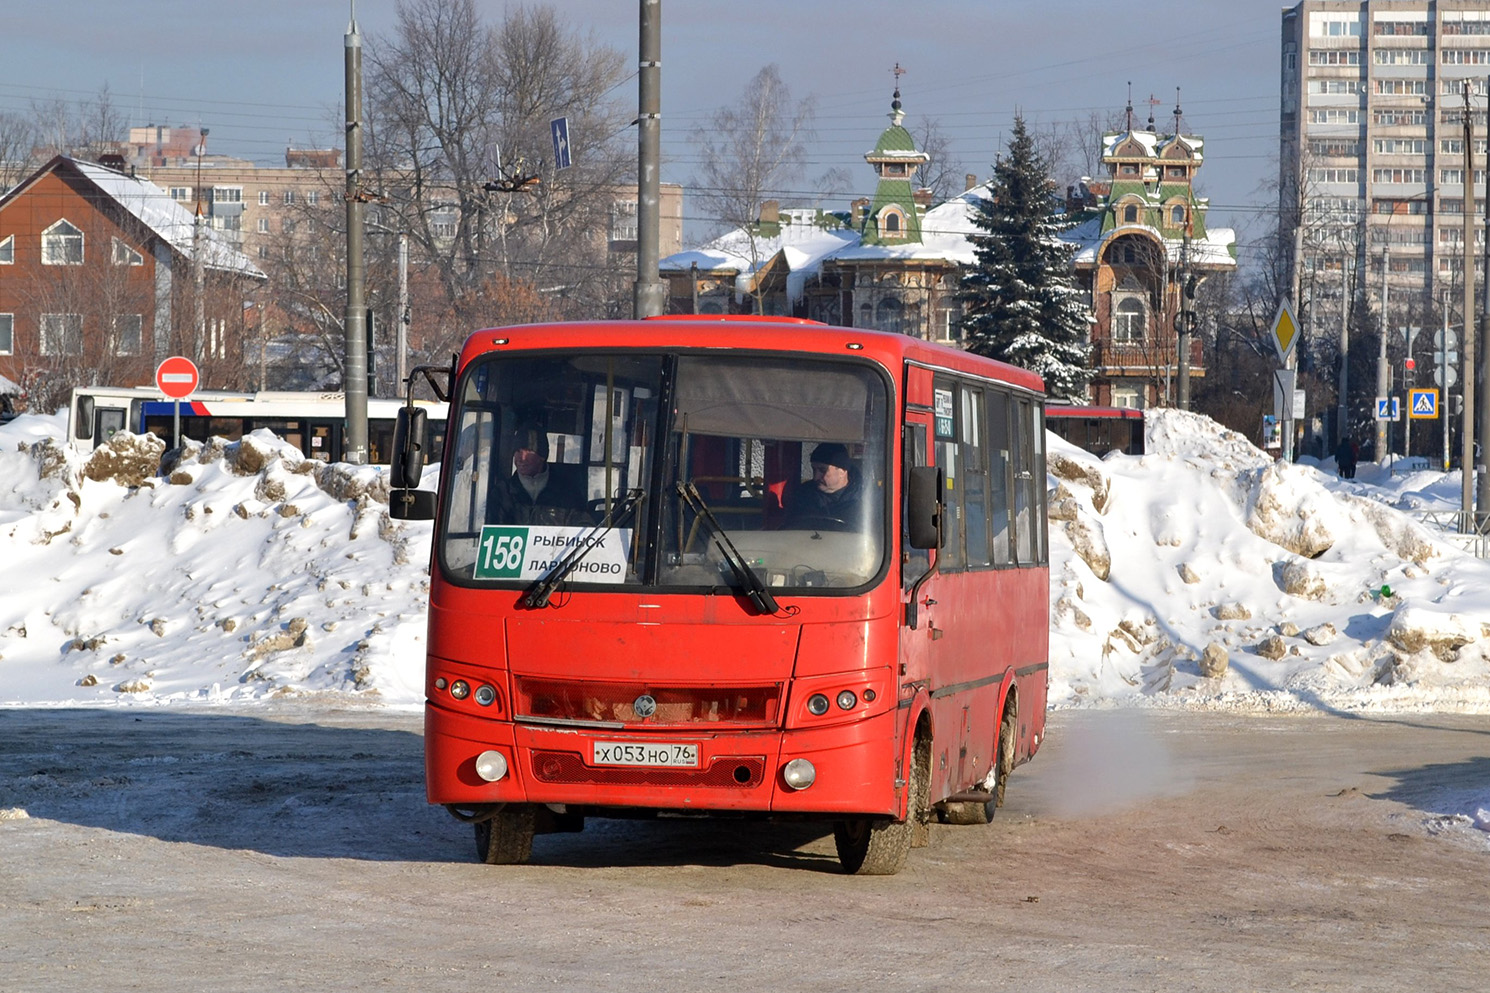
(803, 243)
(1153, 143)
(155, 209)
(1212, 251)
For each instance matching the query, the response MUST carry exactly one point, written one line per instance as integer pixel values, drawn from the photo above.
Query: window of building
(1338, 87)
(263, 225)
(227, 194)
(7, 334)
(1177, 216)
(1400, 87)
(1174, 172)
(866, 316)
(1335, 25)
(125, 255)
(892, 223)
(1130, 213)
(1335, 57)
(1466, 56)
(287, 225)
(1129, 321)
(1400, 27)
(263, 198)
(263, 251)
(1334, 175)
(1392, 117)
(1455, 146)
(1401, 146)
(1403, 57)
(289, 197)
(181, 194)
(62, 334)
(1457, 86)
(62, 244)
(1127, 169)
(1127, 396)
(129, 334)
(1348, 148)
(1399, 176)
(623, 220)
(890, 315)
(313, 197)
(8, 250)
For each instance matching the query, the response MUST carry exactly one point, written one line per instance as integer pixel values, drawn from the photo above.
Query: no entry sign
(177, 377)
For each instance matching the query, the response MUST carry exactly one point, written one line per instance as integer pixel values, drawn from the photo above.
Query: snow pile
(244, 572)
(1204, 573)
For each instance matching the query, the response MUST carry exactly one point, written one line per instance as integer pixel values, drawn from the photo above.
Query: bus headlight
(485, 694)
(846, 700)
(491, 766)
(460, 689)
(817, 705)
(800, 773)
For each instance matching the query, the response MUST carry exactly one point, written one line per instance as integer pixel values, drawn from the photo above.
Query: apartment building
(1373, 143)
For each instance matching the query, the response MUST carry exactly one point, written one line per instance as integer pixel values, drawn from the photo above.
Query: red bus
(736, 566)
(1098, 430)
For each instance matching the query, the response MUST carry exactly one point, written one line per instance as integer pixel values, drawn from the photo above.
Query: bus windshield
(638, 469)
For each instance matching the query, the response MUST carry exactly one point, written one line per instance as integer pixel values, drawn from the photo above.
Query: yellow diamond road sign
(1285, 331)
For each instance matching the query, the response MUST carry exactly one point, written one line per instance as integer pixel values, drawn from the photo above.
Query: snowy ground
(1203, 574)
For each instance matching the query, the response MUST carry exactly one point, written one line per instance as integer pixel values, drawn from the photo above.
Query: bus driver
(538, 491)
(833, 499)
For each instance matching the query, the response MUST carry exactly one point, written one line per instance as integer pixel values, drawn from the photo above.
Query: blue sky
(265, 74)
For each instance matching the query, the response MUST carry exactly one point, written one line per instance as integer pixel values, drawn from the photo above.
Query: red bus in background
(1098, 430)
(775, 569)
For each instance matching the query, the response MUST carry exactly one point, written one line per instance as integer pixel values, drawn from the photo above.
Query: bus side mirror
(83, 426)
(923, 507)
(409, 432)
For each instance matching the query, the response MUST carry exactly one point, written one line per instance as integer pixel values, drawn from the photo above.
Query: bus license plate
(640, 753)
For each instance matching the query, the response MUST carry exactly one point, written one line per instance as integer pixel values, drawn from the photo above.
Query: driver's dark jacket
(804, 501)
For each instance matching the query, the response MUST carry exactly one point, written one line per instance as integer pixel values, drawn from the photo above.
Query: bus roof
(746, 332)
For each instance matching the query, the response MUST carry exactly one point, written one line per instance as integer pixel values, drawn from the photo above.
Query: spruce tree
(1019, 300)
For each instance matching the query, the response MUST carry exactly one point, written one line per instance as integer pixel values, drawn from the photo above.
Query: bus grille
(740, 773)
(566, 700)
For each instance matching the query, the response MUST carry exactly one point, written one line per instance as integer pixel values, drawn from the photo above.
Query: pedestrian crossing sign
(1422, 404)
(1388, 408)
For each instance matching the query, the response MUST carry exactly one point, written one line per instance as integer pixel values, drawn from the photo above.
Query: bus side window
(999, 472)
(108, 420)
(1024, 505)
(951, 558)
(1035, 415)
(974, 475)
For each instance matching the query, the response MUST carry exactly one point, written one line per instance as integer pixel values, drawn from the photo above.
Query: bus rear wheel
(506, 838)
(876, 847)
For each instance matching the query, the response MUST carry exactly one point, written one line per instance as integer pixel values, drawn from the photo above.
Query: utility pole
(198, 266)
(1384, 371)
(1443, 379)
(354, 369)
(1182, 332)
(1466, 455)
(1482, 490)
(402, 345)
(650, 295)
(1342, 408)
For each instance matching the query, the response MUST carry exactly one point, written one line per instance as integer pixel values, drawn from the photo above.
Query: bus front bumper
(853, 766)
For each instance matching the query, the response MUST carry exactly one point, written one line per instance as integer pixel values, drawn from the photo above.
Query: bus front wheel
(506, 838)
(876, 847)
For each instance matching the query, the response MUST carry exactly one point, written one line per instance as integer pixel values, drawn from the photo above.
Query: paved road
(292, 849)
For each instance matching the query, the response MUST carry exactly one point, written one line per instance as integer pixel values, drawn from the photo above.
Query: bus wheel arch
(878, 846)
(978, 806)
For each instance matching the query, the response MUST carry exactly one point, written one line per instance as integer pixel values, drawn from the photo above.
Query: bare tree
(750, 151)
(459, 150)
(943, 173)
(17, 139)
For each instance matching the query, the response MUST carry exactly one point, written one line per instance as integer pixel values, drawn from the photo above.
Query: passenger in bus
(539, 491)
(833, 499)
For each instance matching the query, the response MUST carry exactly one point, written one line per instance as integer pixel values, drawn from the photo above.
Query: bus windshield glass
(637, 469)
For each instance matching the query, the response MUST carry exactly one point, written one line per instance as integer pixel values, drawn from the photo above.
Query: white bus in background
(315, 423)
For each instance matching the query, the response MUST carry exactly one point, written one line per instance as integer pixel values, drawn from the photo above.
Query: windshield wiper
(755, 590)
(542, 590)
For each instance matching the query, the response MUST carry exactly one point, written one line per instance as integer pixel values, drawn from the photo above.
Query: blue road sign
(559, 128)
(1388, 408)
(1422, 404)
